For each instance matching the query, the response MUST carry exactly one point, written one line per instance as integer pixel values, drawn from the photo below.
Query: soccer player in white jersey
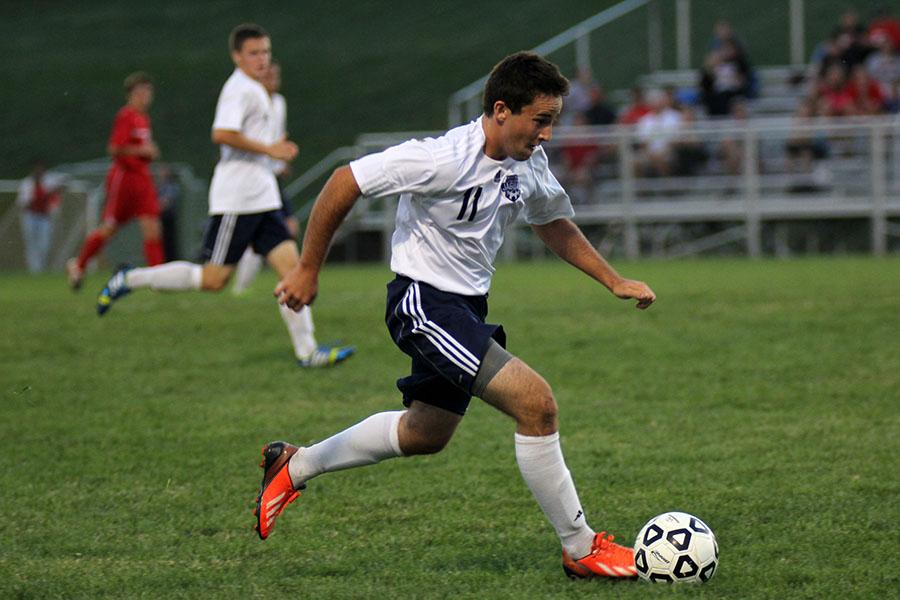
(458, 193)
(244, 201)
(251, 262)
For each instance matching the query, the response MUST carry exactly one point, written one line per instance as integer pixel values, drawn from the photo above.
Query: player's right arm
(283, 149)
(300, 286)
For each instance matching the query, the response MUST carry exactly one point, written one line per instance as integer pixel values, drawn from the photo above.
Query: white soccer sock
(370, 441)
(173, 276)
(300, 327)
(544, 470)
(247, 270)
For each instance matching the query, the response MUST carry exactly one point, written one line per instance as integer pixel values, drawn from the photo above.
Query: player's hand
(298, 288)
(285, 150)
(148, 149)
(640, 291)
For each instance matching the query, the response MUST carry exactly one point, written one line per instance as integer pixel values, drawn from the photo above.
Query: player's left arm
(567, 241)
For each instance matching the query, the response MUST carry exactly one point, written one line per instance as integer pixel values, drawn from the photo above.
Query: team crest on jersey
(510, 188)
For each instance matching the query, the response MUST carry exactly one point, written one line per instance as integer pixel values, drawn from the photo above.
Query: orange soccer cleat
(605, 560)
(277, 489)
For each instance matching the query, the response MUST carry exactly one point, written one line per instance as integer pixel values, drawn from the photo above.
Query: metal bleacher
(846, 198)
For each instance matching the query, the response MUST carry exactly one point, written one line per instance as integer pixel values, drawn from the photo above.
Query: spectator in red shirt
(130, 192)
(834, 97)
(865, 91)
(638, 108)
(885, 24)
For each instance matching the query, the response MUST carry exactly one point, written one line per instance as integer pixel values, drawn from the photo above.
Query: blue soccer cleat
(114, 289)
(326, 356)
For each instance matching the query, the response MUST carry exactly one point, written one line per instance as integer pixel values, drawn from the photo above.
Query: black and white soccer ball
(676, 547)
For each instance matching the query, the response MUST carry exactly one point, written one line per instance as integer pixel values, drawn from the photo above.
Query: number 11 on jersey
(465, 204)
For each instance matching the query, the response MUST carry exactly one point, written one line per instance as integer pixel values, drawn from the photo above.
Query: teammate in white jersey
(458, 193)
(251, 262)
(244, 201)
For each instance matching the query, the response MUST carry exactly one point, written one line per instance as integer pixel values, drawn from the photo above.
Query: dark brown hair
(244, 32)
(519, 78)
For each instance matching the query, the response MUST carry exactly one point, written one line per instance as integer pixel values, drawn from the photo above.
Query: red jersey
(131, 128)
(42, 201)
(634, 113)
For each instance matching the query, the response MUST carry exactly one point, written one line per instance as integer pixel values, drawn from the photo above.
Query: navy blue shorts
(228, 235)
(446, 337)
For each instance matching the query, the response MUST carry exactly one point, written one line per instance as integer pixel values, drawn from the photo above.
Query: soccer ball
(674, 547)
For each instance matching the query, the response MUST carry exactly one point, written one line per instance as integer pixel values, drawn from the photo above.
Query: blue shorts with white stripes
(228, 235)
(446, 337)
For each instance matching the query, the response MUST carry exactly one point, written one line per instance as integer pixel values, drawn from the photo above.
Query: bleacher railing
(747, 182)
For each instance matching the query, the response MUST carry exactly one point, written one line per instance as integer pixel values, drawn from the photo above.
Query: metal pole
(683, 28)
(583, 51)
(798, 48)
(454, 115)
(879, 191)
(626, 173)
(751, 195)
(473, 108)
(654, 37)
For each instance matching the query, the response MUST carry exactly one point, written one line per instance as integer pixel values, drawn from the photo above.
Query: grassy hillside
(349, 67)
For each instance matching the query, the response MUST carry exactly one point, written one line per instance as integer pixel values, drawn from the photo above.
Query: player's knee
(419, 445)
(546, 413)
(419, 440)
(213, 282)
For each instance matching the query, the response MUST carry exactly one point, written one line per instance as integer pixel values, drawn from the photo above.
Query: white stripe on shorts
(443, 341)
(223, 239)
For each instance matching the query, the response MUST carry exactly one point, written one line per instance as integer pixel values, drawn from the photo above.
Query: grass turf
(761, 396)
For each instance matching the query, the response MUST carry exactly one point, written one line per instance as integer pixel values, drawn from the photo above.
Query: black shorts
(228, 235)
(446, 337)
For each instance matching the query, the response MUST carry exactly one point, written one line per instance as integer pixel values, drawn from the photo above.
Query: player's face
(254, 57)
(272, 80)
(522, 133)
(142, 95)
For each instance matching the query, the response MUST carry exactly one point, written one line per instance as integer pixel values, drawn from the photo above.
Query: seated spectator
(579, 159)
(690, 153)
(804, 147)
(723, 33)
(731, 149)
(826, 55)
(884, 24)
(656, 133)
(600, 111)
(638, 108)
(724, 77)
(866, 92)
(833, 97)
(578, 101)
(884, 67)
(852, 49)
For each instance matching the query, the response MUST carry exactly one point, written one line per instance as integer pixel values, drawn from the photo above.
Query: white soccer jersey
(455, 204)
(243, 182)
(279, 120)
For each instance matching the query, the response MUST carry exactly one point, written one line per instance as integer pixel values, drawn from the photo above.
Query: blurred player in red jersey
(130, 191)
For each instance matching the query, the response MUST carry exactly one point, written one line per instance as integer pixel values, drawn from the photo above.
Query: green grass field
(761, 396)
